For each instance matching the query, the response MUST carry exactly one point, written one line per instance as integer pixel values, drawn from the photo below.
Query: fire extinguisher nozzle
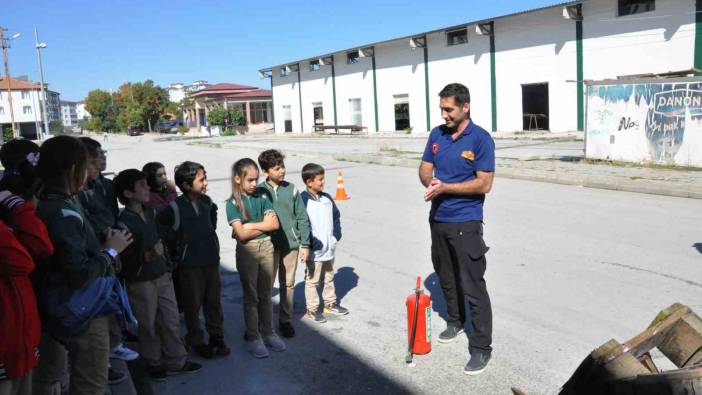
(419, 281)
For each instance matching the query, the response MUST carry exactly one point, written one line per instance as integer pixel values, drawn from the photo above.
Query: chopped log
(684, 341)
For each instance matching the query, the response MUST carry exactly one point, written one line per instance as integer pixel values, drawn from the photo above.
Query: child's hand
(304, 254)
(158, 248)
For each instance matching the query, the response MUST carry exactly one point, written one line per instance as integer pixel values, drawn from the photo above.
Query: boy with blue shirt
(457, 169)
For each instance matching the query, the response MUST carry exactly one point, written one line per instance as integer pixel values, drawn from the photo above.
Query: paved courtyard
(568, 269)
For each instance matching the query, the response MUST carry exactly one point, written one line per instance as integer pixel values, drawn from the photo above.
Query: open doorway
(535, 106)
(287, 116)
(402, 117)
(318, 113)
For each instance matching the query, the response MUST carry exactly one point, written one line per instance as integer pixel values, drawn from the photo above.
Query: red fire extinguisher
(418, 323)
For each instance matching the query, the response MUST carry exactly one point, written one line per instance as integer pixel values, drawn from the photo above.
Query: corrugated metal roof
(476, 22)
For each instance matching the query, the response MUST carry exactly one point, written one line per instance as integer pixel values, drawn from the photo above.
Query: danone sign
(657, 121)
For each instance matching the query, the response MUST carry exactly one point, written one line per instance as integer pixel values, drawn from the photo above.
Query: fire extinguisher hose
(410, 347)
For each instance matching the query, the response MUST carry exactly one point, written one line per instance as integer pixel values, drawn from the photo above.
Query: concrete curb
(624, 184)
(588, 181)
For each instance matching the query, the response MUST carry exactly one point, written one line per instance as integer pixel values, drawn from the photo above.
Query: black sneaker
(316, 316)
(286, 329)
(335, 309)
(188, 368)
(477, 363)
(157, 373)
(114, 376)
(203, 350)
(449, 334)
(219, 348)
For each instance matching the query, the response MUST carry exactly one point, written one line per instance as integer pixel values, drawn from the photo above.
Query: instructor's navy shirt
(457, 161)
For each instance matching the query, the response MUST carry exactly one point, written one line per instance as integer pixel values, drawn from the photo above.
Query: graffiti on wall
(646, 122)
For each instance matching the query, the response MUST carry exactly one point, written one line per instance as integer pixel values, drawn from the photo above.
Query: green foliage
(55, 126)
(103, 109)
(139, 104)
(7, 133)
(226, 118)
(84, 123)
(182, 129)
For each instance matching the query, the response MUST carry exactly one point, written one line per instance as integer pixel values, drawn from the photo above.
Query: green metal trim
(426, 83)
(698, 36)
(272, 103)
(493, 82)
(299, 92)
(334, 90)
(375, 96)
(579, 72)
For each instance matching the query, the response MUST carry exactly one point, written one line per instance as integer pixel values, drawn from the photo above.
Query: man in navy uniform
(457, 170)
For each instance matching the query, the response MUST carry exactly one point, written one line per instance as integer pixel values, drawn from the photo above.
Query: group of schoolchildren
(77, 273)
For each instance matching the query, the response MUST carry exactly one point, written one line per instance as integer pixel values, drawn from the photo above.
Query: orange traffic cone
(340, 190)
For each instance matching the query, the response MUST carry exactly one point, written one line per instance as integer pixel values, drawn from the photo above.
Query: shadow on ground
(313, 364)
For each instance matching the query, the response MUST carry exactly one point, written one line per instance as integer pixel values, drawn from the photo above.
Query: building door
(355, 112)
(287, 116)
(535, 106)
(402, 117)
(318, 114)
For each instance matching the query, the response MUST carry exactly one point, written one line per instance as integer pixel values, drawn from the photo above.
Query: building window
(25, 95)
(284, 72)
(26, 110)
(455, 37)
(2, 110)
(314, 65)
(631, 7)
(356, 115)
(352, 57)
(259, 112)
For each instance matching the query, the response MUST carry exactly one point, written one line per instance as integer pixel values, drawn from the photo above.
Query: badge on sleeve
(435, 148)
(468, 155)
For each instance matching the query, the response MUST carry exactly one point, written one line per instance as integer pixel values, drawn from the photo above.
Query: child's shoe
(286, 329)
(257, 348)
(187, 368)
(219, 348)
(275, 343)
(203, 350)
(316, 316)
(335, 309)
(124, 353)
(157, 373)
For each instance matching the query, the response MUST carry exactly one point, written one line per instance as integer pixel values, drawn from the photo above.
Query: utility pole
(39, 46)
(5, 43)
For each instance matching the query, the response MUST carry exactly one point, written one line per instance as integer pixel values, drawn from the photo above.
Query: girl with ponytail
(251, 216)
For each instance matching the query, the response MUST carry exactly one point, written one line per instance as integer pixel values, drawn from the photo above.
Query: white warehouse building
(525, 71)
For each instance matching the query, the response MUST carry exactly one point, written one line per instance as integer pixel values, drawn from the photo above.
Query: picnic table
(336, 128)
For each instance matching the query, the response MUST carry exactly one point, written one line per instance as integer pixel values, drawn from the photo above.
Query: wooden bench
(351, 128)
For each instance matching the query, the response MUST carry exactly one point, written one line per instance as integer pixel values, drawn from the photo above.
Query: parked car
(134, 131)
(168, 126)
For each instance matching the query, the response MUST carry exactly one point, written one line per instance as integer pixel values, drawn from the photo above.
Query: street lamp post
(5, 44)
(39, 46)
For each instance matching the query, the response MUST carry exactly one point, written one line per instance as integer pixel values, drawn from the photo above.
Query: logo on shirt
(468, 155)
(435, 148)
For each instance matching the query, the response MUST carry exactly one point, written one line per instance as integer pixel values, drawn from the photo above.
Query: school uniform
(197, 255)
(254, 262)
(147, 274)
(294, 232)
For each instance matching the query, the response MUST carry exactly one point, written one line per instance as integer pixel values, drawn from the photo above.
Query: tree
(144, 103)
(102, 107)
(225, 118)
(55, 126)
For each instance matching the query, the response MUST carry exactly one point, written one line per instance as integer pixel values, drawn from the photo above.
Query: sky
(102, 44)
